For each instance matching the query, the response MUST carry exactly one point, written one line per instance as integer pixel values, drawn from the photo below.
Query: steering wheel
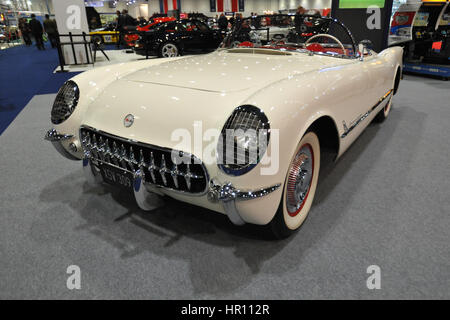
(327, 36)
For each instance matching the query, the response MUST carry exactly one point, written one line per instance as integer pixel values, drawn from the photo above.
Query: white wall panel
(307, 4)
(258, 6)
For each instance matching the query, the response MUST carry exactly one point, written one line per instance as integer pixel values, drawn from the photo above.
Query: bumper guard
(56, 139)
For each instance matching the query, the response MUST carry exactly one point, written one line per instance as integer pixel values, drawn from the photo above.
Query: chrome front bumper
(226, 193)
(56, 139)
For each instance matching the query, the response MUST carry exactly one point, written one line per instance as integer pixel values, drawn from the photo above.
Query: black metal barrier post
(72, 43)
(60, 54)
(146, 47)
(85, 47)
(73, 48)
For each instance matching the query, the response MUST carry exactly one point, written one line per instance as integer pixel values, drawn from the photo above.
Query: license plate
(117, 177)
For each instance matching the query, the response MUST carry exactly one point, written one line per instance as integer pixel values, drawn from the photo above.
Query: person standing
(232, 22)
(26, 31)
(299, 19)
(120, 25)
(37, 31)
(128, 20)
(223, 23)
(51, 29)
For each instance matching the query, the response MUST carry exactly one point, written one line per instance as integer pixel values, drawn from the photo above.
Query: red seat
(315, 47)
(246, 44)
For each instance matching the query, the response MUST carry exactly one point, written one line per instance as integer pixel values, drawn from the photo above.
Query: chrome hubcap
(299, 179)
(169, 50)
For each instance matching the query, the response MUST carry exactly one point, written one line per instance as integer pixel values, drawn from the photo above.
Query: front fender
(91, 84)
(299, 102)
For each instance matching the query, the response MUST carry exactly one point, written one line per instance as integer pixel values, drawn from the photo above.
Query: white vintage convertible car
(238, 131)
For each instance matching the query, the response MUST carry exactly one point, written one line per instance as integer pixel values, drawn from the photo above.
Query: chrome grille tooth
(132, 159)
(163, 170)
(86, 142)
(175, 173)
(101, 149)
(94, 141)
(141, 164)
(152, 167)
(84, 136)
(94, 146)
(123, 157)
(115, 153)
(141, 159)
(187, 176)
(107, 151)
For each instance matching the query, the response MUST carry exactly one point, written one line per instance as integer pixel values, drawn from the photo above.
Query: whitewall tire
(384, 113)
(299, 187)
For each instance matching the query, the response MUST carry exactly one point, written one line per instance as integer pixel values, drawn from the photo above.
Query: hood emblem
(128, 121)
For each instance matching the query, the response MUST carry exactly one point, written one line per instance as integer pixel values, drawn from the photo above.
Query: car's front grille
(155, 162)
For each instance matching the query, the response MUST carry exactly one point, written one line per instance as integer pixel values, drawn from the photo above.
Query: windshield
(292, 33)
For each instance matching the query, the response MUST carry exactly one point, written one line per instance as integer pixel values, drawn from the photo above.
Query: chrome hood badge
(128, 121)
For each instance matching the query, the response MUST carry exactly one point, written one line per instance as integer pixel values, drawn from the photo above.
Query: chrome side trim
(347, 130)
(227, 194)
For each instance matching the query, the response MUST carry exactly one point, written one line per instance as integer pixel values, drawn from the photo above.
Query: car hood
(161, 113)
(232, 70)
(189, 93)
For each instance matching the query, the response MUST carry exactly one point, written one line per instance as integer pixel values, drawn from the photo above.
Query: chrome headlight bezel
(250, 119)
(65, 102)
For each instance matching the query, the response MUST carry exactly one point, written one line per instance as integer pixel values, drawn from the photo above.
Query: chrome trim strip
(347, 130)
(249, 195)
(228, 195)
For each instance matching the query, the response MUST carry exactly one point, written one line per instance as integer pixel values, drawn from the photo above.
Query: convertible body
(126, 116)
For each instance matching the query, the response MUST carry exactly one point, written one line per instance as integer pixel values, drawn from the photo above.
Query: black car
(177, 37)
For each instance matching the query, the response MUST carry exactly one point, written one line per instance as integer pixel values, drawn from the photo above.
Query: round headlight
(244, 140)
(65, 102)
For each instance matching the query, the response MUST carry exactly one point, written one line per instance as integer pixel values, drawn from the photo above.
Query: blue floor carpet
(24, 73)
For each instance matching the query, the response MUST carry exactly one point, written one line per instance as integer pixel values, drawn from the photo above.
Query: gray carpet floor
(386, 202)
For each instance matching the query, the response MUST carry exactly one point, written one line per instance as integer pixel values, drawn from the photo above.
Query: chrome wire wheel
(299, 179)
(169, 50)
